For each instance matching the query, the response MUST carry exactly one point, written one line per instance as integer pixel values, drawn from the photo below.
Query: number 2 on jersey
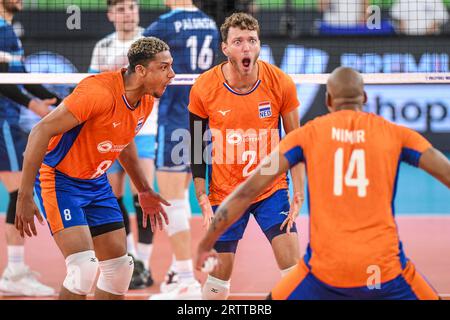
(204, 59)
(357, 162)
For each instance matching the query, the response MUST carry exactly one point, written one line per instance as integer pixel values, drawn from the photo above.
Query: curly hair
(143, 50)
(240, 20)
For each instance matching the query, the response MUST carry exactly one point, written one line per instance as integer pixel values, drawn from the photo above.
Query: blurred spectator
(419, 17)
(344, 13)
(219, 9)
(349, 17)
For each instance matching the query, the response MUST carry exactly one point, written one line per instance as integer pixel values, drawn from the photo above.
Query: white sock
(187, 204)
(287, 270)
(16, 256)
(144, 252)
(130, 245)
(185, 270)
(215, 289)
(174, 262)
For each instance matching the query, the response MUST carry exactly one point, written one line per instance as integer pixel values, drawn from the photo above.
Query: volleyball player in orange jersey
(243, 101)
(352, 160)
(66, 158)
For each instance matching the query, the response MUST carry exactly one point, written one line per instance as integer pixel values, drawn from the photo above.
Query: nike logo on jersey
(224, 112)
(115, 124)
(285, 213)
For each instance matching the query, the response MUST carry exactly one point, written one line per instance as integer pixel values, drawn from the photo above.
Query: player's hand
(41, 107)
(206, 260)
(26, 210)
(294, 210)
(207, 211)
(151, 204)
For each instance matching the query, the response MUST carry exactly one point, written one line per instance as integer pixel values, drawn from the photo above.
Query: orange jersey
(107, 125)
(352, 162)
(245, 126)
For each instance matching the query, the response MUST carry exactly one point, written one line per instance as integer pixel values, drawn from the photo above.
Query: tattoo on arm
(221, 215)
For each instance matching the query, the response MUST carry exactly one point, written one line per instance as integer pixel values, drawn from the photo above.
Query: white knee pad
(178, 220)
(115, 275)
(82, 270)
(215, 289)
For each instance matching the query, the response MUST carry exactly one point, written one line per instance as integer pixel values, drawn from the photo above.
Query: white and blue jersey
(12, 53)
(193, 39)
(12, 139)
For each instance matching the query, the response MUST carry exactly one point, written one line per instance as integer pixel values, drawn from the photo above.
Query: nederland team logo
(139, 125)
(265, 109)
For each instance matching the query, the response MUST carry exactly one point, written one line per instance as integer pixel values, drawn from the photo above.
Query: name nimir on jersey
(344, 135)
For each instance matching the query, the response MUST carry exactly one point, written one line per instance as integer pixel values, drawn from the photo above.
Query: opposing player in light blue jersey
(109, 54)
(193, 39)
(17, 279)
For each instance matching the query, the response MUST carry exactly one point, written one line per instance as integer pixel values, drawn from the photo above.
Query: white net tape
(188, 79)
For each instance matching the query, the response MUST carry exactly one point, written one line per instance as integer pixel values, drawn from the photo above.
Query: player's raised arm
(235, 204)
(58, 121)
(436, 164)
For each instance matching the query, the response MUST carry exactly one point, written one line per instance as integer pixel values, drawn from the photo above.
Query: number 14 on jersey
(357, 164)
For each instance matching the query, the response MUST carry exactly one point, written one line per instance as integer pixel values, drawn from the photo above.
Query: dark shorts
(301, 284)
(13, 141)
(269, 213)
(67, 202)
(173, 149)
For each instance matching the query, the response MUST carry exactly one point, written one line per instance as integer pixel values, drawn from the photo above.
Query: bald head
(345, 90)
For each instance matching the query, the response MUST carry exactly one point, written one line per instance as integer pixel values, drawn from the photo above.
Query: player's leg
(171, 277)
(217, 284)
(171, 186)
(17, 278)
(107, 229)
(146, 152)
(61, 200)
(75, 243)
(116, 266)
(270, 214)
(116, 178)
(172, 163)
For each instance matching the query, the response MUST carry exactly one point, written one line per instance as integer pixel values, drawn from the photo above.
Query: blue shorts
(301, 284)
(269, 214)
(13, 141)
(173, 149)
(145, 145)
(68, 202)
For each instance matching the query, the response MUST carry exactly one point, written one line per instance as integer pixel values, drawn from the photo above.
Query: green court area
(159, 4)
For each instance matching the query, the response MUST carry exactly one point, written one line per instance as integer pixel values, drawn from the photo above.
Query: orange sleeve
(290, 99)
(413, 145)
(292, 145)
(88, 100)
(196, 104)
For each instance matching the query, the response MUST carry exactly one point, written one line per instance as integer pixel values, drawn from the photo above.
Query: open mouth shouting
(246, 63)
